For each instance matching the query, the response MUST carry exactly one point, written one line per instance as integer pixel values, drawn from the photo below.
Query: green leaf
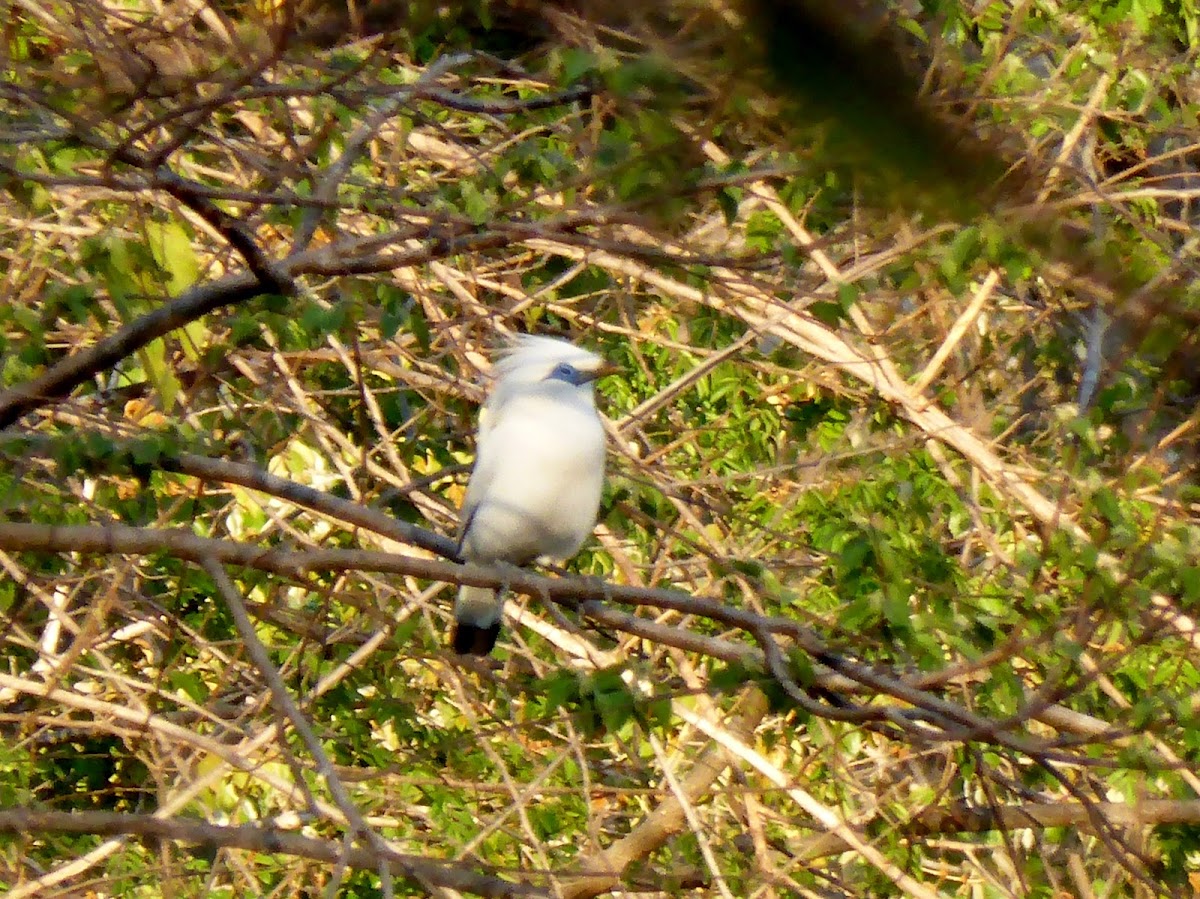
(855, 555)
(171, 246)
(1189, 580)
(729, 203)
(191, 684)
(159, 373)
(576, 64)
(963, 251)
(1108, 505)
(476, 204)
(832, 314)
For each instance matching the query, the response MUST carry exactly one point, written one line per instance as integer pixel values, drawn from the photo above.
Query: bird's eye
(567, 372)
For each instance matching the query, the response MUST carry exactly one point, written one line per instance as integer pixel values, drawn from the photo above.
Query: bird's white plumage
(527, 361)
(539, 469)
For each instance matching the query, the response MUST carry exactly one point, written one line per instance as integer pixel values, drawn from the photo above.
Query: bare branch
(600, 872)
(335, 507)
(961, 817)
(294, 563)
(62, 377)
(284, 703)
(424, 871)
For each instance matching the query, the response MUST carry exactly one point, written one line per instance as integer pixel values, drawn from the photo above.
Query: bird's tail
(476, 621)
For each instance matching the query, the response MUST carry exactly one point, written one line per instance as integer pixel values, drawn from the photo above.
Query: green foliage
(603, 702)
(676, 201)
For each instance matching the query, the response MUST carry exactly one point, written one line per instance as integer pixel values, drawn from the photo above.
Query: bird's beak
(603, 369)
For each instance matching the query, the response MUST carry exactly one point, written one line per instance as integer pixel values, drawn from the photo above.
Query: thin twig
(283, 701)
(327, 187)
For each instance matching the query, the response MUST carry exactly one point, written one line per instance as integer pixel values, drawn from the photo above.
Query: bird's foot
(507, 572)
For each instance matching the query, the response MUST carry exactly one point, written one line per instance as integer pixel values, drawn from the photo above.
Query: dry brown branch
(600, 872)
(268, 840)
(766, 315)
(63, 377)
(283, 701)
(849, 466)
(332, 178)
(827, 817)
(963, 818)
(353, 513)
(957, 722)
(77, 368)
(242, 756)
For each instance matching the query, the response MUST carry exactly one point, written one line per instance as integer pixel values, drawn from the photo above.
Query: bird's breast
(537, 481)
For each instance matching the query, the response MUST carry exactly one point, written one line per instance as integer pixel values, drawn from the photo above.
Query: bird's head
(531, 360)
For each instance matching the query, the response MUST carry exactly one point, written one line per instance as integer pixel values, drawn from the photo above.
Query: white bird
(539, 466)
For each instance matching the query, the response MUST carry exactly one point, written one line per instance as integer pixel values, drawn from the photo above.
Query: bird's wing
(521, 374)
(482, 474)
(467, 512)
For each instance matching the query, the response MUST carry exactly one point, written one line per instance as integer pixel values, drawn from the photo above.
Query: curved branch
(352, 513)
(122, 539)
(63, 377)
(284, 703)
(356, 144)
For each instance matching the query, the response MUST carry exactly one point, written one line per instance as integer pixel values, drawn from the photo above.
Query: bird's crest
(531, 357)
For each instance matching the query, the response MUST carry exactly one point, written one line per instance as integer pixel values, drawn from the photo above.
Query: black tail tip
(469, 640)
